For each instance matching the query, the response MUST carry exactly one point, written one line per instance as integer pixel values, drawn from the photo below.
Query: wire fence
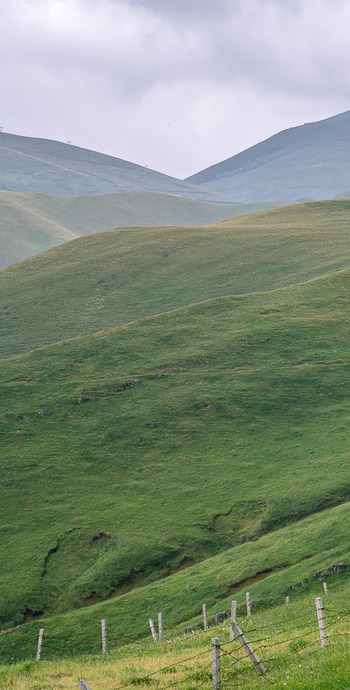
(276, 641)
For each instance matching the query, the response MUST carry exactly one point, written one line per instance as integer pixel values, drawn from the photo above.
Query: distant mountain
(311, 161)
(32, 223)
(53, 167)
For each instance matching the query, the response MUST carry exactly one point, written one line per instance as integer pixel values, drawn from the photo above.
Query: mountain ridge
(310, 160)
(29, 164)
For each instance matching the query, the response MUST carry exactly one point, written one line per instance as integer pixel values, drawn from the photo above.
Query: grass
(180, 458)
(284, 557)
(32, 223)
(107, 279)
(286, 639)
(177, 437)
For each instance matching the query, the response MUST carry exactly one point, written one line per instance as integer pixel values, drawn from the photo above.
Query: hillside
(112, 278)
(32, 223)
(309, 161)
(44, 166)
(219, 421)
(263, 567)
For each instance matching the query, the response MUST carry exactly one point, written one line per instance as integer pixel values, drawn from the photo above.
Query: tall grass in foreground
(285, 637)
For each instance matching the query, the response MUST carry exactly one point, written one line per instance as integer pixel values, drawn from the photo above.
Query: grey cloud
(176, 84)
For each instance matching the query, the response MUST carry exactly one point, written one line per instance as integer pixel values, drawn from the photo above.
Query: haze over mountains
(311, 161)
(52, 167)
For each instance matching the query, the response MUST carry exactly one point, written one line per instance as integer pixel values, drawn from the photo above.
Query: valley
(174, 414)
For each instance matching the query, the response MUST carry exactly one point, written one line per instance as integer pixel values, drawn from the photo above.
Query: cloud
(175, 85)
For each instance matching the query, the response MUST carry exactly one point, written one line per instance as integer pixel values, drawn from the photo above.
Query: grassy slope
(291, 554)
(251, 414)
(104, 280)
(297, 663)
(32, 223)
(25, 230)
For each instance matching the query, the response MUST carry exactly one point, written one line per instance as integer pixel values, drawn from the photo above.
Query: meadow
(179, 457)
(219, 422)
(112, 278)
(32, 223)
(285, 637)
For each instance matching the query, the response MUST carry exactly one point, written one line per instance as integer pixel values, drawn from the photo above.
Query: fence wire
(233, 651)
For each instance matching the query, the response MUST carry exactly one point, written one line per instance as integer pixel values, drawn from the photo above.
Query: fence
(225, 664)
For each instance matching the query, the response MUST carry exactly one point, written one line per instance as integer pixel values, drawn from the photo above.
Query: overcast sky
(173, 84)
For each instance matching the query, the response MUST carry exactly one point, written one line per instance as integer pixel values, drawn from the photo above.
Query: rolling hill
(132, 452)
(111, 278)
(309, 161)
(32, 223)
(180, 432)
(44, 166)
(263, 567)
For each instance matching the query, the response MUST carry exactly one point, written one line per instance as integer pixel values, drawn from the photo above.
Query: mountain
(51, 167)
(309, 161)
(122, 275)
(31, 223)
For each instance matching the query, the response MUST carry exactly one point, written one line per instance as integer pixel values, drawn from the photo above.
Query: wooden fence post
(83, 685)
(215, 662)
(248, 602)
(40, 644)
(205, 619)
(325, 587)
(104, 635)
(248, 648)
(153, 630)
(160, 626)
(233, 618)
(321, 621)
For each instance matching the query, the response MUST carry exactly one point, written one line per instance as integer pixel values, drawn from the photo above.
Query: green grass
(112, 278)
(238, 424)
(294, 628)
(32, 223)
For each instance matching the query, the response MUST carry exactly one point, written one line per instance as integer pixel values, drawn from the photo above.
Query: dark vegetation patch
(30, 616)
(250, 581)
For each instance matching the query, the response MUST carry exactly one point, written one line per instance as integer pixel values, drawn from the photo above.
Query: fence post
(40, 644)
(215, 662)
(160, 626)
(249, 605)
(248, 648)
(205, 619)
(104, 635)
(233, 618)
(325, 587)
(287, 600)
(153, 630)
(83, 685)
(321, 621)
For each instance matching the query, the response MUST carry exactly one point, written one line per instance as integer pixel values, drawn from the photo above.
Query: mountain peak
(311, 160)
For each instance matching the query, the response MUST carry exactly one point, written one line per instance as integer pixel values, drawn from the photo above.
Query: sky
(176, 85)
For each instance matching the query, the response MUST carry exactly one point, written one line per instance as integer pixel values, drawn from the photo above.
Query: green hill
(107, 279)
(264, 567)
(133, 452)
(32, 223)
